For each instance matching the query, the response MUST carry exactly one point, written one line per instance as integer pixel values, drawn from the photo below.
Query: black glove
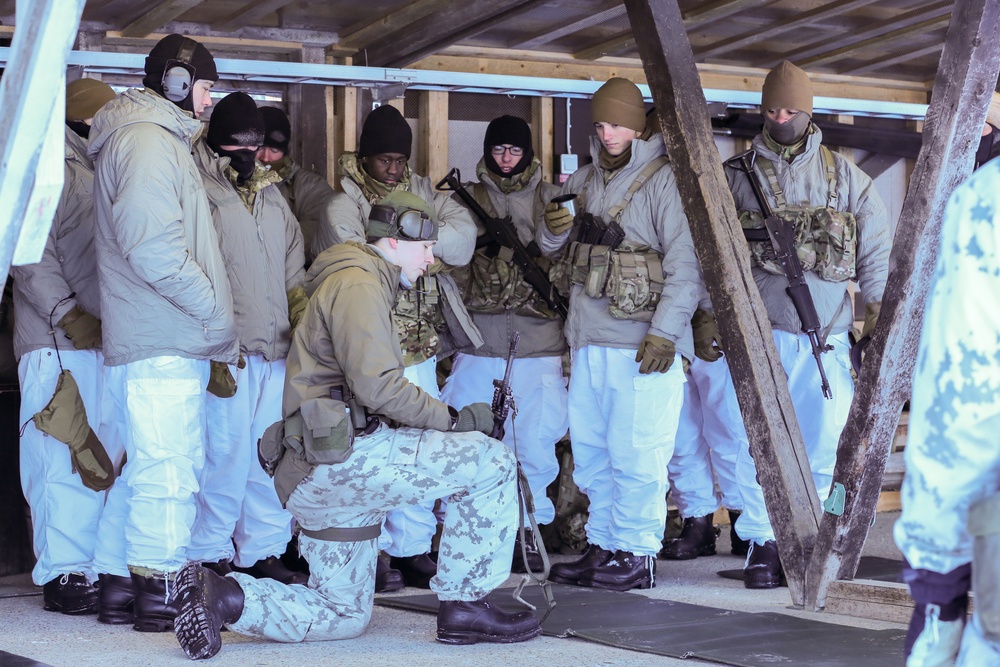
(473, 417)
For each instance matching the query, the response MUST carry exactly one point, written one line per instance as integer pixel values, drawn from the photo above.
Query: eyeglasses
(516, 151)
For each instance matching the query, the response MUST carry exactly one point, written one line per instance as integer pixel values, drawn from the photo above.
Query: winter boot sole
(667, 554)
(120, 616)
(472, 637)
(762, 583)
(194, 626)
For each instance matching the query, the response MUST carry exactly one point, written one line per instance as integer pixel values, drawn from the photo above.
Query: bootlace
(933, 616)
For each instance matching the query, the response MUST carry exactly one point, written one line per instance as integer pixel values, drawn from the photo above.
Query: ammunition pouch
(593, 230)
(632, 280)
(825, 241)
(493, 283)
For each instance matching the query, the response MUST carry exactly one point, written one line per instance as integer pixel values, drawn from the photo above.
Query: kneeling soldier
(347, 452)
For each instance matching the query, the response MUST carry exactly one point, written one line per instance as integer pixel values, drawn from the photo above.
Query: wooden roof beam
(900, 22)
(800, 19)
(889, 37)
(364, 33)
(901, 57)
(963, 88)
(761, 386)
(431, 34)
(247, 14)
(151, 19)
(614, 11)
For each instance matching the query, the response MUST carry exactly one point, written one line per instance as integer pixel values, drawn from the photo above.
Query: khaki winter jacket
(68, 263)
(262, 252)
(346, 218)
(164, 289)
(804, 183)
(307, 194)
(347, 336)
(655, 218)
(540, 337)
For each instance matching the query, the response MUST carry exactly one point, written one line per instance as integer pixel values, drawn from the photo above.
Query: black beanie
(385, 131)
(508, 130)
(168, 49)
(235, 121)
(277, 129)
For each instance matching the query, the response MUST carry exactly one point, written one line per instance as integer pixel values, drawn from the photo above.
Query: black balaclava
(78, 126)
(277, 129)
(200, 64)
(236, 121)
(508, 130)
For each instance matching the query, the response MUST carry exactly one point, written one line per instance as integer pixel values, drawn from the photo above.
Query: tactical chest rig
(599, 259)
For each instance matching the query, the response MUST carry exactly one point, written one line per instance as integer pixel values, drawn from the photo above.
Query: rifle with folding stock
(781, 235)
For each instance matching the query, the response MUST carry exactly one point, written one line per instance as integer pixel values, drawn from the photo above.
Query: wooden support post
(311, 111)
(542, 136)
(775, 440)
(962, 91)
(345, 126)
(433, 134)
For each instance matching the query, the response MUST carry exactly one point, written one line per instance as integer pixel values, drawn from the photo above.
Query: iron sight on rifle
(782, 238)
(504, 234)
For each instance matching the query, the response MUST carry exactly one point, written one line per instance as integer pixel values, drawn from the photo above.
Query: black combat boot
(622, 572)
(153, 611)
(116, 601)
(272, 568)
(739, 546)
(71, 594)
(417, 570)
(221, 568)
(697, 538)
(763, 568)
(205, 602)
(534, 562)
(387, 579)
(461, 622)
(570, 573)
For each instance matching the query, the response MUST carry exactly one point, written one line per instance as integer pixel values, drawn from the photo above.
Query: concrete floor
(395, 638)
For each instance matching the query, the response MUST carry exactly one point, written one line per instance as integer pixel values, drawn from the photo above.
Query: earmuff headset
(178, 76)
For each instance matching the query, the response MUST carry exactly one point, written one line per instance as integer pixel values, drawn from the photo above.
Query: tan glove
(297, 302)
(82, 328)
(872, 311)
(221, 381)
(707, 344)
(655, 355)
(557, 219)
(473, 417)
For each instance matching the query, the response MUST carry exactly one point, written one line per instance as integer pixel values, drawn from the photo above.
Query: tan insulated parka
(262, 252)
(164, 289)
(307, 194)
(804, 183)
(655, 218)
(68, 263)
(540, 337)
(347, 336)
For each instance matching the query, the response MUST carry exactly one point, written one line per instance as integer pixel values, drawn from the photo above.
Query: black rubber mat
(676, 629)
(870, 567)
(11, 660)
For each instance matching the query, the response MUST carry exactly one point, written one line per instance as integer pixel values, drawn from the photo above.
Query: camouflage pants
(389, 469)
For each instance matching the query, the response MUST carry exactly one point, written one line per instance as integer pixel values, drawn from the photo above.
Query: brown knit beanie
(619, 101)
(85, 97)
(787, 87)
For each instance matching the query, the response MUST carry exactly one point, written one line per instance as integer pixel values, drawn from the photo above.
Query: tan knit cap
(787, 87)
(619, 101)
(85, 97)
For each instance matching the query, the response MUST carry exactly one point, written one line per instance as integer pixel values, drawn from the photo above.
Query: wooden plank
(163, 13)
(543, 134)
(905, 55)
(881, 40)
(366, 32)
(609, 47)
(345, 125)
(761, 386)
(962, 92)
(465, 18)
(432, 136)
(873, 30)
(144, 44)
(799, 19)
(865, 598)
(248, 13)
(311, 111)
(611, 10)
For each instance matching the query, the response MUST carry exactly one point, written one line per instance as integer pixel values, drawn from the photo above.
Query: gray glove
(473, 417)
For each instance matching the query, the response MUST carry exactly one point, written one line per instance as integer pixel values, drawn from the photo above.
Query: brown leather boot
(205, 602)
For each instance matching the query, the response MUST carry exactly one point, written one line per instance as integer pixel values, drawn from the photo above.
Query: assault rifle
(782, 238)
(503, 397)
(502, 231)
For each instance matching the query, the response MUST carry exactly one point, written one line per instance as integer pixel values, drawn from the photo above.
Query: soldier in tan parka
(385, 443)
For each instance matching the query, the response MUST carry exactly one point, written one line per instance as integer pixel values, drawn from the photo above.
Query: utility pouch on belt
(984, 527)
(322, 431)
